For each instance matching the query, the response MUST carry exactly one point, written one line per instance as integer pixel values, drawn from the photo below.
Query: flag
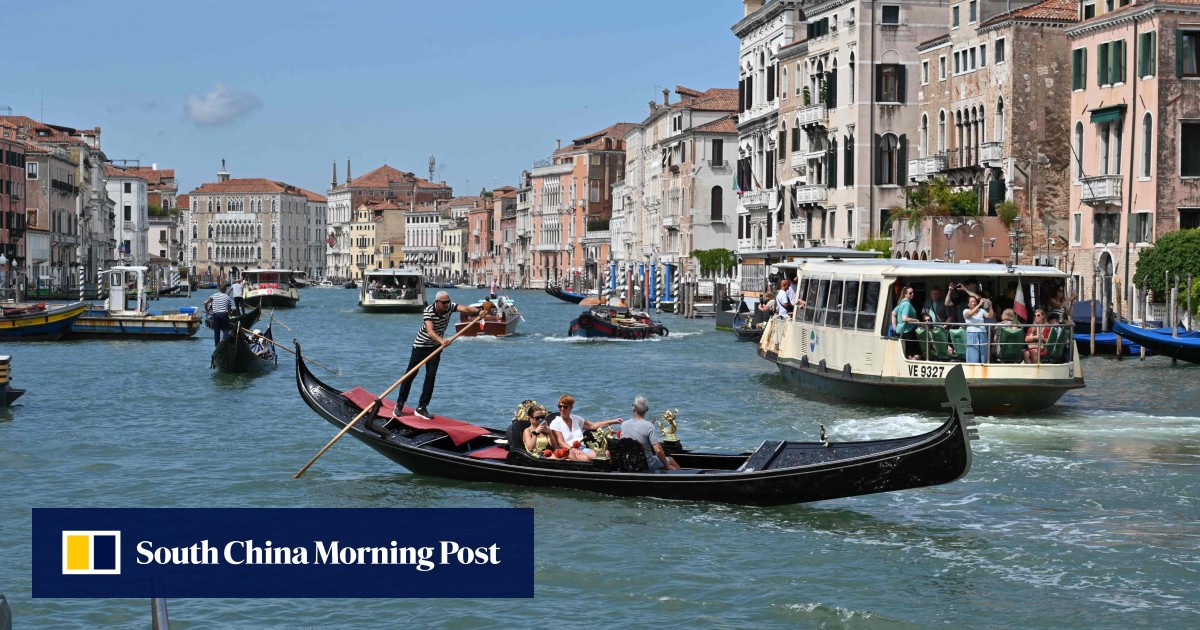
(331, 241)
(737, 186)
(1019, 303)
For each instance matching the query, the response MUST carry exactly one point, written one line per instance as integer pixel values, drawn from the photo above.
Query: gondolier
(218, 307)
(429, 338)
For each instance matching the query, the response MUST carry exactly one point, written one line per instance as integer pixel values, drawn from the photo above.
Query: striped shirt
(221, 303)
(440, 323)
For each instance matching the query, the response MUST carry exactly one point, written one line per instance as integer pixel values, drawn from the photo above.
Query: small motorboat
(616, 322)
(502, 321)
(38, 322)
(565, 295)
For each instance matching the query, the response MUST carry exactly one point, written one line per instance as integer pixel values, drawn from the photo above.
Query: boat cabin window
(850, 304)
(810, 299)
(869, 306)
(833, 314)
(819, 305)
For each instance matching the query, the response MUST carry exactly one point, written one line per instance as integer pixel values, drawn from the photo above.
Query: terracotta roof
(50, 133)
(382, 177)
(467, 200)
(151, 174)
(715, 99)
(1048, 11)
(312, 196)
(596, 140)
(249, 185)
(183, 201)
(113, 171)
(685, 91)
(1143, 5)
(722, 125)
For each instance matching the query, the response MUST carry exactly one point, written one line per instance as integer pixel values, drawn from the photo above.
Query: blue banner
(325, 552)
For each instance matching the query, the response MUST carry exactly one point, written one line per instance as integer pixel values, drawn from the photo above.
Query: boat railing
(1001, 342)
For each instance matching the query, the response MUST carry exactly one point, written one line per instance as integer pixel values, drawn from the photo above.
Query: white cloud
(221, 106)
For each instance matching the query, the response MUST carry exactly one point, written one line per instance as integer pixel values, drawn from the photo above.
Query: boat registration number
(927, 371)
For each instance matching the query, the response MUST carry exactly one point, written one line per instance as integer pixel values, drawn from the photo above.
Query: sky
(283, 89)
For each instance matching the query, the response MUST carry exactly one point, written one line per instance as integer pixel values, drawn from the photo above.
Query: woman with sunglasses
(570, 427)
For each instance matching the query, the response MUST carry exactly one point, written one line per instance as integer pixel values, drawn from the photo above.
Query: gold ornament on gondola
(600, 439)
(667, 425)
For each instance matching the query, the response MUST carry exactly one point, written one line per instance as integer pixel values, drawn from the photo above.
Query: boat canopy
(893, 268)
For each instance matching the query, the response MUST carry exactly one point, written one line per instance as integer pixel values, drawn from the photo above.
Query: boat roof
(808, 252)
(127, 268)
(394, 272)
(250, 271)
(894, 267)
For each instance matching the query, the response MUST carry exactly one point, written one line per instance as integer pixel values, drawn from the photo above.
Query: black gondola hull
(792, 473)
(235, 356)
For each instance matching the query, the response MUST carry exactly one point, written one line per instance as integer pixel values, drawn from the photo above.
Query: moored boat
(8, 393)
(270, 288)
(839, 344)
(392, 291)
(616, 322)
(775, 473)
(747, 328)
(38, 322)
(501, 322)
(1183, 346)
(1106, 343)
(117, 321)
(300, 279)
(564, 295)
(242, 352)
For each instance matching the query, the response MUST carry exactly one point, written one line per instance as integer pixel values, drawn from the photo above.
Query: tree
(714, 260)
(881, 245)
(1177, 252)
(1007, 211)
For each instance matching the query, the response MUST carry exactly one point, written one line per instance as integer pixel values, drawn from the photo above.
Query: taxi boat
(392, 291)
(270, 288)
(840, 345)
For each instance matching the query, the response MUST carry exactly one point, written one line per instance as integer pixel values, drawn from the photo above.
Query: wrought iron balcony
(812, 115)
(1101, 190)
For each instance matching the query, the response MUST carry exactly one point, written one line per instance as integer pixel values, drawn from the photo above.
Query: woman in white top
(570, 427)
(975, 315)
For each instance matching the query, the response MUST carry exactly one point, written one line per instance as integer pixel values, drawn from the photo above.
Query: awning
(1108, 114)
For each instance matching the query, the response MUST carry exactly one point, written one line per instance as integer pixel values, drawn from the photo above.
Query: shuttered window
(1079, 69)
(1147, 54)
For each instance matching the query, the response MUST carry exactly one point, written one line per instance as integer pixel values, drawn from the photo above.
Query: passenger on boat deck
(975, 315)
(538, 437)
(904, 322)
(1036, 336)
(570, 427)
(645, 433)
(235, 292)
(785, 299)
(1057, 302)
(957, 295)
(935, 310)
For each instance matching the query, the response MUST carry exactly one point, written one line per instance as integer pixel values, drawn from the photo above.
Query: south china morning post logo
(268, 552)
(91, 553)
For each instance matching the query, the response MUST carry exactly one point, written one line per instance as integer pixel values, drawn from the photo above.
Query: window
(128, 212)
(982, 55)
(1110, 62)
(1103, 130)
(1147, 142)
(870, 303)
(998, 132)
(942, 68)
(1089, 10)
(972, 13)
(783, 85)
(954, 17)
(1077, 232)
(1078, 151)
(1000, 50)
(1079, 69)
(1104, 228)
(1189, 218)
(925, 72)
(972, 51)
(891, 14)
(957, 62)
(718, 152)
(1189, 142)
(889, 83)
(942, 131)
(1147, 54)
(1139, 227)
(889, 158)
(924, 139)
(31, 170)
(1187, 53)
(128, 187)
(716, 207)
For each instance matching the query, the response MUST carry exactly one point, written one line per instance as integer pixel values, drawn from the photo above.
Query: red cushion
(460, 432)
(491, 452)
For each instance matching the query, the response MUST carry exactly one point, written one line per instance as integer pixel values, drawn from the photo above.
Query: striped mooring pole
(81, 272)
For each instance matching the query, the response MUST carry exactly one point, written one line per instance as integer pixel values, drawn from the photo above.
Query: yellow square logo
(91, 553)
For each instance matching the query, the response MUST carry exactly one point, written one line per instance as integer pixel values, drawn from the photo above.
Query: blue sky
(282, 89)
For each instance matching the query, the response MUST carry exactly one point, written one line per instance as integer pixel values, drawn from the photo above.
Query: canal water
(1083, 516)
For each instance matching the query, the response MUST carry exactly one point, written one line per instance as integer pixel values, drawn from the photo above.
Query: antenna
(432, 167)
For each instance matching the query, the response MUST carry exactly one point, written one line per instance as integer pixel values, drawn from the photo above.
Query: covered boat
(840, 344)
(1183, 346)
(117, 321)
(243, 352)
(1106, 343)
(392, 291)
(8, 393)
(38, 322)
(616, 322)
(775, 473)
(502, 321)
(270, 288)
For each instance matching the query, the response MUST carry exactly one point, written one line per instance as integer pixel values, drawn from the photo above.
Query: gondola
(1106, 343)
(564, 295)
(615, 322)
(776, 473)
(746, 328)
(1185, 346)
(236, 353)
(247, 319)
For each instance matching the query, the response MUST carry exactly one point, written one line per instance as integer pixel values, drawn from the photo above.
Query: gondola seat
(516, 434)
(629, 456)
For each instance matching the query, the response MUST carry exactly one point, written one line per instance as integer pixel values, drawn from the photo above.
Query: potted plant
(807, 97)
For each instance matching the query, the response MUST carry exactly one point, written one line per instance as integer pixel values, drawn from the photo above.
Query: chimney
(666, 97)
(334, 184)
(557, 144)
(751, 6)
(223, 175)
(347, 171)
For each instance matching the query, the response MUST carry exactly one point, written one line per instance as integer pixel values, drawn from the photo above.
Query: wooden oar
(287, 349)
(271, 316)
(379, 401)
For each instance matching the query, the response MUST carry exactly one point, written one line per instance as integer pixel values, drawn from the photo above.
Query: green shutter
(902, 161)
(1152, 54)
(1119, 53)
(1142, 44)
(1075, 69)
(1083, 57)
(1102, 64)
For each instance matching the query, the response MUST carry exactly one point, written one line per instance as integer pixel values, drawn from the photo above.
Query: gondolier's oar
(271, 316)
(379, 402)
(287, 349)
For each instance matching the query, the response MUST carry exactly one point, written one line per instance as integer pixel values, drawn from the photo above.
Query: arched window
(924, 149)
(273, 252)
(799, 82)
(210, 230)
(195, 231)
(850, 85)
(716, 205)
(1078, 150)
(888, 161)
(1147, 143)
(998, 132)
(210, 252)
(783, 83)
(942, 131)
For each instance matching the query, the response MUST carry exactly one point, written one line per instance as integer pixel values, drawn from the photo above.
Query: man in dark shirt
(935, 310)
(430, 339)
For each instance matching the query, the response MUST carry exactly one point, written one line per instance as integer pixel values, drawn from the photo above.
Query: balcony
(811, 195)
(1101, 190)
(718, 164)
(671, 222)
(916, 169)
(933, 164)
(798, 159)
(991, 153)
(755, 200)
(812, 115)
(799, 227)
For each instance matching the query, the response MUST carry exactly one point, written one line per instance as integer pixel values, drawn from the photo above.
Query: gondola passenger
(539, 439)
(570, 427)
(648, 436)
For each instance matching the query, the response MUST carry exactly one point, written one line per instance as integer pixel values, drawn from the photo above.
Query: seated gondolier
(218, 307)
(429, 338)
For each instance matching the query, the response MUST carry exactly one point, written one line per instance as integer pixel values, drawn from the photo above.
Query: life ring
(665, 332)
(585, 321)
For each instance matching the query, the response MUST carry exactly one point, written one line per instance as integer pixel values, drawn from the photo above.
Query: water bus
(841, 343)
(270, 287)
(392, 291)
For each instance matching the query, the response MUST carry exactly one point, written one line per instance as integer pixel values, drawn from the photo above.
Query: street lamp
(1016, 237)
